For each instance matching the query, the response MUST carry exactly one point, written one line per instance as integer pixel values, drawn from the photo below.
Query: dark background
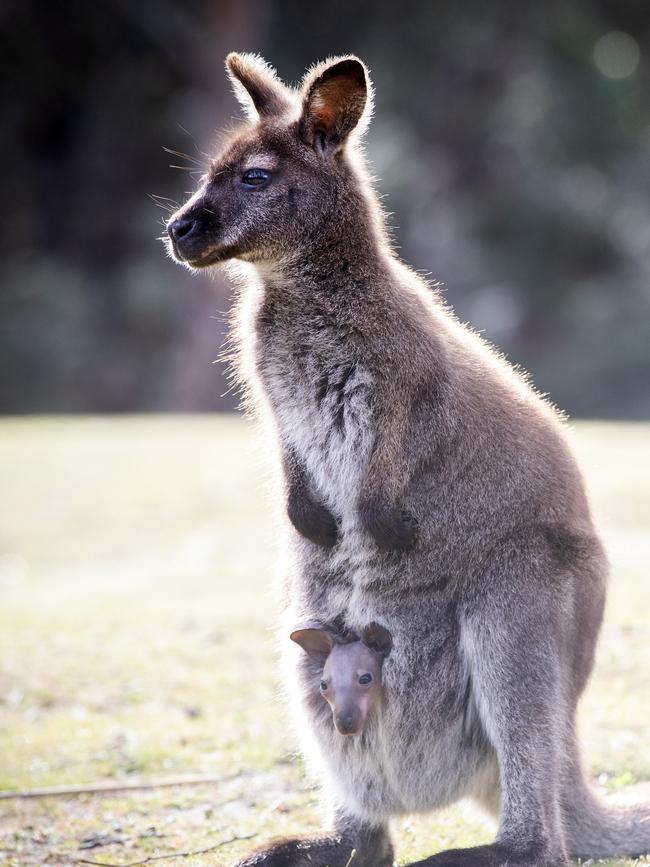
(511, 140)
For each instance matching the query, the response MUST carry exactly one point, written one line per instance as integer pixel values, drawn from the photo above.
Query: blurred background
(511, 140)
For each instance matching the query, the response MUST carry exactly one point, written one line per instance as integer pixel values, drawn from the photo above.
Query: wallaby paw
(394, 529)
(313, 521)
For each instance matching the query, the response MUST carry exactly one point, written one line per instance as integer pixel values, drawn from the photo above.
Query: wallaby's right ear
(336, 96)
(257, 87)
(317, 642)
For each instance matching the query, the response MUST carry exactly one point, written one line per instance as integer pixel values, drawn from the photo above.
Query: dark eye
(365, 679)
(323, 685)
(255, 177)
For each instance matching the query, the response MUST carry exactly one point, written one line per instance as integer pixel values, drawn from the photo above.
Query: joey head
(350, 671)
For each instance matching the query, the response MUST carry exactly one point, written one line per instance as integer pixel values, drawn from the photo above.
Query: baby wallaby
(350, 670)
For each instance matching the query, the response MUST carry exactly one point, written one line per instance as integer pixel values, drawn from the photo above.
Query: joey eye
(365, 679)
(323, 685)
(255, 178)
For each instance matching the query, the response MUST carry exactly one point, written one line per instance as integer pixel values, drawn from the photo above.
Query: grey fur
(433, 492)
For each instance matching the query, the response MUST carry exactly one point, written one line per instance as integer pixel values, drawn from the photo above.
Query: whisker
(164, 206)
(183, 156)
(164, 198)
(187, 132)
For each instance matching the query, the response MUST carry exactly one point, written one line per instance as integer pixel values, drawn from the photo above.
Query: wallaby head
(285, 175)
(350, 671)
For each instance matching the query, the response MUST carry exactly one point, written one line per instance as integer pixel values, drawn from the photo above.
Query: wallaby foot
(365, 847)
(493, 855)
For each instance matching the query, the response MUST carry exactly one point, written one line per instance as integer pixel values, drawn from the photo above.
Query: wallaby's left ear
(337, 95)
(257, 87)
(377, 638)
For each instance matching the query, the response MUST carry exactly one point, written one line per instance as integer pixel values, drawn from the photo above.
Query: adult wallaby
(430, 490)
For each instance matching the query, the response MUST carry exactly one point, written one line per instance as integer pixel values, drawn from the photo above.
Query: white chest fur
(324, 415)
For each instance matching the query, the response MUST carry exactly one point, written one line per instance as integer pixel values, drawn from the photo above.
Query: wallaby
(347, 671)
(429, 489)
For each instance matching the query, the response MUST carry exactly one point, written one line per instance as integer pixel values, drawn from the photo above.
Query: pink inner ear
(324, 118)
(331, 103)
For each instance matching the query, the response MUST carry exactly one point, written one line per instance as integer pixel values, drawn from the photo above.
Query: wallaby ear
(317, 642)
(377, 638)
(257, 86)
(336, 96)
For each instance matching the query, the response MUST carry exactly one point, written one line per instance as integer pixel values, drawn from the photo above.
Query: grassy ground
(136, 557)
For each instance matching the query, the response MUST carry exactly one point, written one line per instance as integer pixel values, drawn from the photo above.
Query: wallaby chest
(321, 394)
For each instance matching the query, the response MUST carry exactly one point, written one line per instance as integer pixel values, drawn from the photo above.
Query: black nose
(183, 228)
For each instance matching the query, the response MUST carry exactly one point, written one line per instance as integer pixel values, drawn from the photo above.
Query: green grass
(136, 566)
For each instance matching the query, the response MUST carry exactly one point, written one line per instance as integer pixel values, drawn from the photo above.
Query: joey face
(283, 175)
(350, 671)
(351, 684)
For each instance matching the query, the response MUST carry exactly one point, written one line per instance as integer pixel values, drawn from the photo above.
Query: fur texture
(430, 490)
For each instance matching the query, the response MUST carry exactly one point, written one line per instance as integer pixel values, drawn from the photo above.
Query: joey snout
(349, 712)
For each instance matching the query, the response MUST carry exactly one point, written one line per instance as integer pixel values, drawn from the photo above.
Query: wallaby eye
(323, 685)
(255, 178)
(365, 679)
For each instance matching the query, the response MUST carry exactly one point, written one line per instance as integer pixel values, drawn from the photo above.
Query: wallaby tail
(593, 830)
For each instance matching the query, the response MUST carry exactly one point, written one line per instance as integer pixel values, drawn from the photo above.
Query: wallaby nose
(182, 228)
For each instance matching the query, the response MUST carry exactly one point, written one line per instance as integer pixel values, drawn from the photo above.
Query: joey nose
(347, 723)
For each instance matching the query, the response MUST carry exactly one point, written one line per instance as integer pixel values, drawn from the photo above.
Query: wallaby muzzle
(192, 235)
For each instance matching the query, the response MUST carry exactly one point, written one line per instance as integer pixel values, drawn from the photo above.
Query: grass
(136, 561)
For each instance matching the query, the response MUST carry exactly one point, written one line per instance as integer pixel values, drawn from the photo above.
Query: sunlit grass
(136, 562)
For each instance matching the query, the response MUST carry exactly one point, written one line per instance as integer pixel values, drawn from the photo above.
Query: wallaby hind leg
(508, 637)
(352, 843)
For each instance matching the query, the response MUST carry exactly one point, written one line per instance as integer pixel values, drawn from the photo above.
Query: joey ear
(336, 96)
(377, 638)
(257, 87)
(317, 642)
